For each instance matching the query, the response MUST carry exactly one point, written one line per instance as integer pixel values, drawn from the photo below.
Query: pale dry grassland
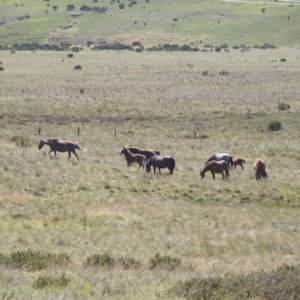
(97, 205)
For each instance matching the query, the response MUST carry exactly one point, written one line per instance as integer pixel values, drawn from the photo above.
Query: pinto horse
(130, 157)
(161, 162)
(60, 146)
(215, 167)
(238, 161)
(221, 156)
(260, 169)
(148, 153)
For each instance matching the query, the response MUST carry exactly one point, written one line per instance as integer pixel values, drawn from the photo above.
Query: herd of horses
(218, 163)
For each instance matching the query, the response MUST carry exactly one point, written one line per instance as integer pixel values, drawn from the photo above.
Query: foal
(139, 158)
(238, 161)
(260, 169)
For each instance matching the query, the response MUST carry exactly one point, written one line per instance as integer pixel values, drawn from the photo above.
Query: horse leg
(69, 152)
(154, 168)
(75, 154)
(213, 175)
(51, 151)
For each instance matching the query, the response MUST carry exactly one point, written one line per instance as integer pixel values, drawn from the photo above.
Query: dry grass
(97, 206)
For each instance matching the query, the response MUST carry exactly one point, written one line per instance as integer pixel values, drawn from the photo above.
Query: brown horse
(238, 161)
(130, 157)
(260, 169)
(60, 146)
(221, 156)
(147, 153)
(215, 167)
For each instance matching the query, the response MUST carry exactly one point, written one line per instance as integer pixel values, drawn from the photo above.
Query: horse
(130, 157)
(238, 161)
(160, 162)
(147, 153)
(221, 156)
(260, 169)
(215, 167)
(60, 146)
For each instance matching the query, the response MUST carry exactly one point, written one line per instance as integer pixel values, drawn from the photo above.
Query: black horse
(160, 162)
(60, 146)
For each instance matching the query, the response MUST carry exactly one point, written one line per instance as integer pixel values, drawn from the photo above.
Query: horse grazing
(215, 167)
(60, 146)
(160, 162)
(147, 153)
(221, 156)
(238, 161)
(130, 157)
(260, 169)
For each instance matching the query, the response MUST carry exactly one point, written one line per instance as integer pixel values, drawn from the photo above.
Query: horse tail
(78, 147)
(172, 166)
(41, 144)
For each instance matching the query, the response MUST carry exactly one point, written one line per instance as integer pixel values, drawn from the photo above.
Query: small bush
(275, 125)
(164, 262)
(99, 260)
(283, 106)
(283, 59)
(1, 69)
(47, 281)
(70, 55)
(78, 67)
(81, 91)
(75, 49)
(224, 73)
(21, 141)
(205, 72)
(129, 263)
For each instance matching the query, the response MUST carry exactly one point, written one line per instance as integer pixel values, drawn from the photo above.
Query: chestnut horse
(238, 161)
(130, 157)
(215, 167)
(60, 146)
(260, 169)
(161, 162)
(148, 153)
(221, 156)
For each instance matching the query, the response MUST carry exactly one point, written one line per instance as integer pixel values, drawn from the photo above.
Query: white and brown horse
(60, 146)
(130, 158)
(221, 156)
(215, 167)
(260, 169)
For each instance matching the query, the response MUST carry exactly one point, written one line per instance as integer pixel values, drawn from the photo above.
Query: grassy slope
(151, 23)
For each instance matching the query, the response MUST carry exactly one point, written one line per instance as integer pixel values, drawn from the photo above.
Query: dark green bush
(78, 67)
(283, 106)
(34, 261)
(47, 281)
(224, 73)
(99, 260)
(1, 69)
(283, 59)
(70, 55)
(275, 125)
(164, 262)
(282, 283)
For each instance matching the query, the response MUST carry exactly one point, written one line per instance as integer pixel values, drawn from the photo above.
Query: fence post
(39, 131)
(78, 131)
(115, 132)
(195, 134)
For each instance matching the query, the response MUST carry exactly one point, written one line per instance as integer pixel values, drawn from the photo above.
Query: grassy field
(151, 23)
(107, 223)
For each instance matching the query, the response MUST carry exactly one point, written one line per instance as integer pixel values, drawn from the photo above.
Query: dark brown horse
(260, 169)
(60, 146)
(130, 157)
(221, 156)
(238, 161)
(215, 167)
(148, 153)
(160, 162)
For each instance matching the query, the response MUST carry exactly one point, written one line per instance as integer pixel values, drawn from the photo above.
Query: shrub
(275, 125)
(78, 67)
(217, 49)
(164, 262)
(205, 72)
(70, 55)
(47, 281)
(283, 106)
(102, 260)
(34, 261)
(263, 10)
(224, 73)
(54, 7)
(283, 59)
(81, 91)
(21, 141)
(1, 68)
(129, 263)
(70, 7)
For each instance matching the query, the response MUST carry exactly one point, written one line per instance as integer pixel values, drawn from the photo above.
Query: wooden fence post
(78, 131)
(115, 132)
(39, 131)
(195, 134)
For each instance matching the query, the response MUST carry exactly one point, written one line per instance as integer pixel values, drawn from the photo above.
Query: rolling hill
(150, 22)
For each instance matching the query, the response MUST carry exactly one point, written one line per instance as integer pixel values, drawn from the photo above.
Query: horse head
(41, 144)
(202, 174)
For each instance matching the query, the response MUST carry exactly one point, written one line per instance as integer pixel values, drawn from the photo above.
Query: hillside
(150, 22)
